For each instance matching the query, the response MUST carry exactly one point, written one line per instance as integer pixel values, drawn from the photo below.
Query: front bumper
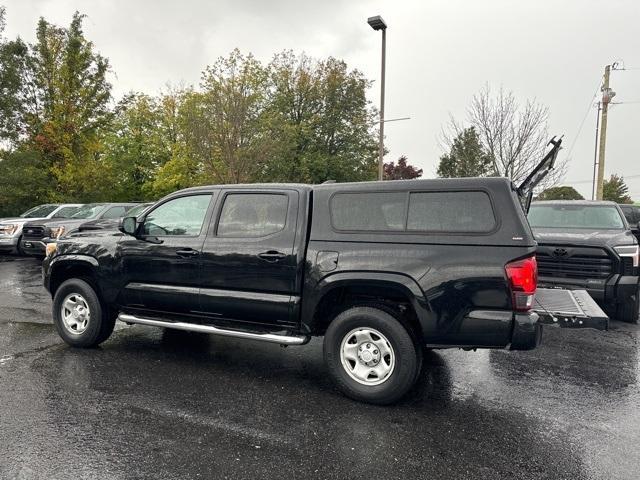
(616, 289)
(527, 331)
(9, 244)
(33, 247)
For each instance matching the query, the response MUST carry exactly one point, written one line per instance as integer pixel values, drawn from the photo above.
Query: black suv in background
(632, 214)
(588, 245)
(37, 234)
(108, 222)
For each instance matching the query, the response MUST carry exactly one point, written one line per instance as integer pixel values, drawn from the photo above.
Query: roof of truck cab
(469, 182)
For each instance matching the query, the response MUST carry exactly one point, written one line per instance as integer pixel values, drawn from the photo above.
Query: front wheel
(371, 356)
(19, 250)
(78, 314)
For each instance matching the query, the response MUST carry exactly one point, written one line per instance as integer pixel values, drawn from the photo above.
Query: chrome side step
(194, 327)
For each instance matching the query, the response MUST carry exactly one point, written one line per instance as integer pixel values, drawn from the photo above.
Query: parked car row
(30, 232)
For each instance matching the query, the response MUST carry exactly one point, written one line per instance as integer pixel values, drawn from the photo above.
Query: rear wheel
(371, 356)
(78, 314)
(629, 310)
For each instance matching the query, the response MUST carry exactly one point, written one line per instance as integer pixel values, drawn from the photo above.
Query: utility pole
(595, 156)
(607, 95)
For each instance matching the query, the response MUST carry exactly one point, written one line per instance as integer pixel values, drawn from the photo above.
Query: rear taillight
(523, 279)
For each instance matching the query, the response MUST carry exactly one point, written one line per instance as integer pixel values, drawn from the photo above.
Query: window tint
(114, 212)
(252, 215)
(369, 211)
(65, 212)
(180, 216)
(629, 214)
(138, 209)
(39, 211)
(575, 216)
(90, 210)
(450, 212)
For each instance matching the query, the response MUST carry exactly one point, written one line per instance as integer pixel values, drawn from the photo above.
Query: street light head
(377, 23)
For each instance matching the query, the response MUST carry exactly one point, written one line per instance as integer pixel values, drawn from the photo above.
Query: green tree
(318, 122)
(140, 140)
(560, 193)
(70, 105)
(221, 122)
(401, 171)
(24, 181)
(615, 190)
(13, 59)
(466, 157)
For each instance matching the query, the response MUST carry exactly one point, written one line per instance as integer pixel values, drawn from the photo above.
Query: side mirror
(128, 225)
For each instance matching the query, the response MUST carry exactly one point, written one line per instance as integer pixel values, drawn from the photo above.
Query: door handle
(187, 252)
(271, 256)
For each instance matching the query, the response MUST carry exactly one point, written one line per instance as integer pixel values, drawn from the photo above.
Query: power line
(584, 118)
(626, 177)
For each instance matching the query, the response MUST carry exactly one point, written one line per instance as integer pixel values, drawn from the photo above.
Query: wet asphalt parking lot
(156, 404)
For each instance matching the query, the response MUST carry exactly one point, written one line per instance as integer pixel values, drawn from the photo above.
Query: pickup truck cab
(379, 269)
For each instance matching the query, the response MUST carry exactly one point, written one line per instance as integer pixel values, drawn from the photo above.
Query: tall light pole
(377, 23)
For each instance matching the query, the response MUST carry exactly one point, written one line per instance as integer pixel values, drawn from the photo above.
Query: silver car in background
(11, 228)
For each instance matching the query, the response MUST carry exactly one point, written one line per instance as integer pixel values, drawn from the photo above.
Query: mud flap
(569, 309)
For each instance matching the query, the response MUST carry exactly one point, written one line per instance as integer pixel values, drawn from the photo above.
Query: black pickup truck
(380, 269)
(589, 245)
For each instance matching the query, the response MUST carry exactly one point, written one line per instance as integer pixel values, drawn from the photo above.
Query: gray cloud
(439, 54)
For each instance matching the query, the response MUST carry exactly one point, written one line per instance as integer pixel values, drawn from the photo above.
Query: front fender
(52, 265)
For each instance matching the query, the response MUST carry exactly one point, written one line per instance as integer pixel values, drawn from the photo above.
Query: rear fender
(399, 282)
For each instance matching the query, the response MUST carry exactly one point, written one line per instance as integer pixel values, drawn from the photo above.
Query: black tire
(19, 251)
(629, 310)
(99, 325)
(407, 355)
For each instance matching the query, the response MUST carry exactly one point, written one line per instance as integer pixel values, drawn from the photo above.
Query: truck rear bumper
(527, 331)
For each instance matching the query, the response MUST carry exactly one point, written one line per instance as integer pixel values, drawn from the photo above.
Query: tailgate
(569, 309)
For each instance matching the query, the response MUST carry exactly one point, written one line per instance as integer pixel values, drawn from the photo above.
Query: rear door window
(253, 214)
(454, 212)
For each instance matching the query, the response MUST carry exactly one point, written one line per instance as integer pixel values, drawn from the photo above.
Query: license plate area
(569, 309)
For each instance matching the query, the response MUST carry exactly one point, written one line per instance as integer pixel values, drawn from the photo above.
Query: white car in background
(11, 228)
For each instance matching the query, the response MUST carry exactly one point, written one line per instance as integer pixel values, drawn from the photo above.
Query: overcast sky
(439, 53)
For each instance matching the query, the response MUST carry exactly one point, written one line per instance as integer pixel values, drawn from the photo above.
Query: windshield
(40, 211)
(138, 209)
(575, 216)
(65, 212)
(90, 210)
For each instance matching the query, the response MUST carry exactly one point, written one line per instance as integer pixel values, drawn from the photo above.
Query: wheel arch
(72, 266)
(391, 291)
